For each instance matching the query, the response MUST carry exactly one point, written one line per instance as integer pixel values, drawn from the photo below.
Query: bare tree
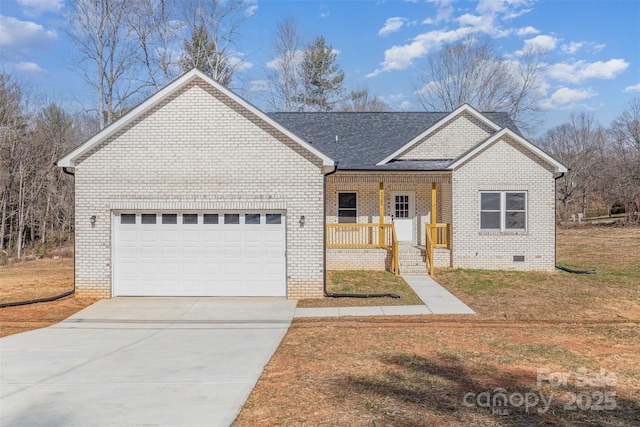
(154, 25)
(284, 78)
(13, 129)
(579, 145)
(471, 72)
(361, 100)
(107, 52)
(625, 145)
(213, 28)
(37, 198)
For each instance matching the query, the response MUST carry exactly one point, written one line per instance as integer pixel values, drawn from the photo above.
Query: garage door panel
(273, 236)
(191, 236)
(148, 235)
(240, 254)
(253, 236)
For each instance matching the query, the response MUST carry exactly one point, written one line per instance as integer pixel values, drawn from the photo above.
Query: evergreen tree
(322, 78)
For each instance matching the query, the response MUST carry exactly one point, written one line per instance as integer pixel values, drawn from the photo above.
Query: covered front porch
(398, 222)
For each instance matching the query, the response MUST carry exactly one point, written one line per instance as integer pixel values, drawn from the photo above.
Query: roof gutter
(324, 251)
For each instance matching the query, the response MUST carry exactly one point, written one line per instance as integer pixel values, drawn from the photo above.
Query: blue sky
(593, 47)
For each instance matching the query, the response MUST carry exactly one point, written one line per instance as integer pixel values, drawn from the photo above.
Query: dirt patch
(412, 372)
(418, 371)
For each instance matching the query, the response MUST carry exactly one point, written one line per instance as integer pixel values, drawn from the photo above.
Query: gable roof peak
(464, 108)
(70, 159)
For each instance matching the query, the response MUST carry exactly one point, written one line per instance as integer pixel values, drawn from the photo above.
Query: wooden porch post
(433, 203)
(434, 208)
(381, 217)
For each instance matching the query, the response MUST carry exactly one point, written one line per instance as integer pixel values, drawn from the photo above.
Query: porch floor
(437, 300)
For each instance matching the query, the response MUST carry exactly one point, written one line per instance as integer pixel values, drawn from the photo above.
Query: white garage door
(199, 254)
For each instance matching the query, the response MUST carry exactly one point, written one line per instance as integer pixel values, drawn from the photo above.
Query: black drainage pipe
(324, 282)
(34, 301)
(571, 270)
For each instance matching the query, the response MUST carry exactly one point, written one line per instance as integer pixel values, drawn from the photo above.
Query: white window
(347, 207)
(503, 210)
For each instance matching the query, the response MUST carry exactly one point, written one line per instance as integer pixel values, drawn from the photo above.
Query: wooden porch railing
(381, 236)
(437, 236)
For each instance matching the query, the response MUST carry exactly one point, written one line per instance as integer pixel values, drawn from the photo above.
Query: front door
(403, 209)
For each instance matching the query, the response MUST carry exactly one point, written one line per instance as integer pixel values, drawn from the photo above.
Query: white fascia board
(463, 108)
(559, 167)
(69, 160)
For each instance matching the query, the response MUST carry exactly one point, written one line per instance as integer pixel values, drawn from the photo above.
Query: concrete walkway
(142, 361)
(437, 300)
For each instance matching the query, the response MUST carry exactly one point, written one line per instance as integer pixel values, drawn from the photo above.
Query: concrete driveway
(142, 361)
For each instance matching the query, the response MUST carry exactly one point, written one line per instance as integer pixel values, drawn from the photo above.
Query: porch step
(411, 260)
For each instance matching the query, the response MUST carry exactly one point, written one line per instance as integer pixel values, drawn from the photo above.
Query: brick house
(196, 192)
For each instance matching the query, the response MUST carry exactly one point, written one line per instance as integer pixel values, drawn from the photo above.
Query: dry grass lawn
(416, 371)
(32, 280)
(364, 282)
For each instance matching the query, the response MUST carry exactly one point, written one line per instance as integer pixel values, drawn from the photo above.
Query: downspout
(324, 251)
(555, 230)
(555, 243)
(56, 297)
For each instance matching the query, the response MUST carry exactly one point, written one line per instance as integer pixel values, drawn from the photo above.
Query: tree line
(603, 163)
(36, 210)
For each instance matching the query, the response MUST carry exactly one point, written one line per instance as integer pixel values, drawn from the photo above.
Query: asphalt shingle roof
(365, 139)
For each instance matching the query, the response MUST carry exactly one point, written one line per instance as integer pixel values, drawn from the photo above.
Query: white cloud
(543, 43)
(443, 13)
(567, 97)
(17, 35)
(274, 64)
(251, 10)
(26, 67)
(401, 57)
(405, 105)
(581, 70)
(485, 20)
(392, 25)
(572, 48)
(634, 88)
(598, 47)
(258, 86)
(509, 9)
(237, 63)
(31, 7)
(527, 31)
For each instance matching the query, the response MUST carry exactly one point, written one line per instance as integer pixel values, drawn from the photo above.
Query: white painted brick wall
(454, 138)
(199, 149)
(504, 166)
